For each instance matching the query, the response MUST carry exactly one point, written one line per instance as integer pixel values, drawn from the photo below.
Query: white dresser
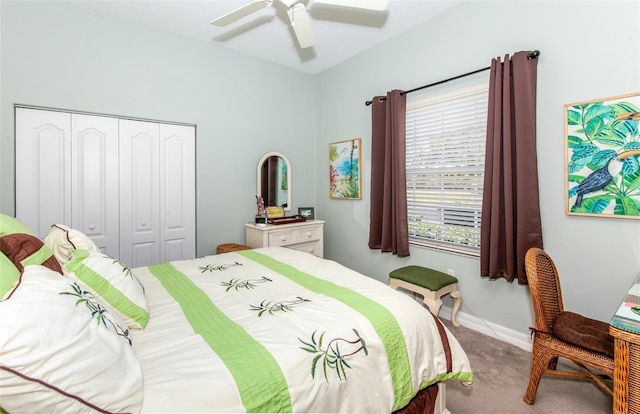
(304, 236)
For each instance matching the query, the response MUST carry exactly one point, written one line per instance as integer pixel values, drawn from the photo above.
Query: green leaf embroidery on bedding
(247, 360)
(125, 270)
(98, 312)
(238, 284)
(382, 320)
(331, 355)
(283, 306)
(221, 267)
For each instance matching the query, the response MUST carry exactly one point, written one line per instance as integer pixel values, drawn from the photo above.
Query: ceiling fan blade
(301, 25)
(377, 5)
(241, 12)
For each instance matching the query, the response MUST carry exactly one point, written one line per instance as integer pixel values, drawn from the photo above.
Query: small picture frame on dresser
(306, 212)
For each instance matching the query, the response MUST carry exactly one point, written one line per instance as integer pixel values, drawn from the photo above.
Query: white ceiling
(341, 32)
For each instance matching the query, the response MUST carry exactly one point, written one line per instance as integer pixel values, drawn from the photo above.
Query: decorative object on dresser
(304, 236)
(286, 220)
(307, 212)
(261, 215)
(274, 180)
(275, 212)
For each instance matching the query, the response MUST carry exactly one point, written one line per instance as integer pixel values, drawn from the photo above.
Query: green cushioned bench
(430, 284)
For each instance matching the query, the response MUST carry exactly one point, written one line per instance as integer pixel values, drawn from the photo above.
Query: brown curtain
(388, 229)
(510, 205)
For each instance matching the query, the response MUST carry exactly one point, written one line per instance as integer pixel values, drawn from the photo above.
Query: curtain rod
(532, 55)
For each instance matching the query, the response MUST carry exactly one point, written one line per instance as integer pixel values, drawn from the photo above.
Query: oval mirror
(274, 180)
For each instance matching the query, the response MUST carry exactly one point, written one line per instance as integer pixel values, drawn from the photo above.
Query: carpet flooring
(501, 374)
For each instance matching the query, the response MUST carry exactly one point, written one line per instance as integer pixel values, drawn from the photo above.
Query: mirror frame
(259, 175)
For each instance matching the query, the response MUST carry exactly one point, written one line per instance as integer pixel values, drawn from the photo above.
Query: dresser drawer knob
(283, 238)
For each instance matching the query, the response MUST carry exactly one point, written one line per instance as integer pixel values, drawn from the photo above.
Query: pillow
(10, 225)
(9, 275)
(584, 332)
(63, 352)
(113, 282)
(19, 250)
(62, 240)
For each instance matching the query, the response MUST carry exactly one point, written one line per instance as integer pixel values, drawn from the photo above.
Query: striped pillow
(111, 281)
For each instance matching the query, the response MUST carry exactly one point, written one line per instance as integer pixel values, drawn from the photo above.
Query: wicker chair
(547, 347)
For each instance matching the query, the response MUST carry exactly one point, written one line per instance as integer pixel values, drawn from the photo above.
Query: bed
(262, 330)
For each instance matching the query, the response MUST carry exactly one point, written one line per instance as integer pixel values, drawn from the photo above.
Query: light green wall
(589, 50)
(58, 55)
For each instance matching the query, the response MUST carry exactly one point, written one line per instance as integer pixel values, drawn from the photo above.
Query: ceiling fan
(298, 16)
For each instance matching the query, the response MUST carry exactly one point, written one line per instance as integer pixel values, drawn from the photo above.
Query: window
(446, 133)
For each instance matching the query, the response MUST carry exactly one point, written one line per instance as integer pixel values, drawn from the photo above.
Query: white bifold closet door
(128, 185)
(67, 173)
(157, 187)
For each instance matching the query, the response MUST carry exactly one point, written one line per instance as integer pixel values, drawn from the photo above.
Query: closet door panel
(43, 176)
(94, 179)
(177, 195)
(139, 192)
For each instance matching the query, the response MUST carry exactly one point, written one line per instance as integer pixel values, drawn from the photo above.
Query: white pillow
(61, 240)
(113, 282)
(62, 352)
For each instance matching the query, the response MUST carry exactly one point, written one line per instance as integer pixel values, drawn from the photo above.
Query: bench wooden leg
(457, 299)
(433, 305)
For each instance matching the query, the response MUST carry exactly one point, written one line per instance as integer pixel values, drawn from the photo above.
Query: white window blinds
(445, 167)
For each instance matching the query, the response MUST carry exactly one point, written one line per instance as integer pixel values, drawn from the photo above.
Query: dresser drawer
(282, 238)
(308, 234)
(314, 247)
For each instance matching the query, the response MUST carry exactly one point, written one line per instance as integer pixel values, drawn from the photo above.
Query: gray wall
(589, 50)
(58, 55)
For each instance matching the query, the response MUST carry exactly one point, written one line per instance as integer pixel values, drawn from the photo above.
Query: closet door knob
(92, 227)
(143, 224)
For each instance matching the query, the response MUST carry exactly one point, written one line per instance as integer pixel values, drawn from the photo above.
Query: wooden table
(625, 329)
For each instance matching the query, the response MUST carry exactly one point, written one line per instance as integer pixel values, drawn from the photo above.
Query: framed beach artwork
(602, 147)
(345, 179)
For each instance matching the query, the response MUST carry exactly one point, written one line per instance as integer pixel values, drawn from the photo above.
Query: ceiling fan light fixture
(297, 13)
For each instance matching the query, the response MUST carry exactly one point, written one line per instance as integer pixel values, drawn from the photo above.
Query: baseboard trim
(522, 341)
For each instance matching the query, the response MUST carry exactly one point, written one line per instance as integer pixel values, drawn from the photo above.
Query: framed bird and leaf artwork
(603, 157)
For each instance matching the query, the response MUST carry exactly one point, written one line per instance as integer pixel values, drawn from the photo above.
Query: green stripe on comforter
(380, 317)
(247, 360)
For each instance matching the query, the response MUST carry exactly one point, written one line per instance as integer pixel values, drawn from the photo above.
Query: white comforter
(277, 330)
